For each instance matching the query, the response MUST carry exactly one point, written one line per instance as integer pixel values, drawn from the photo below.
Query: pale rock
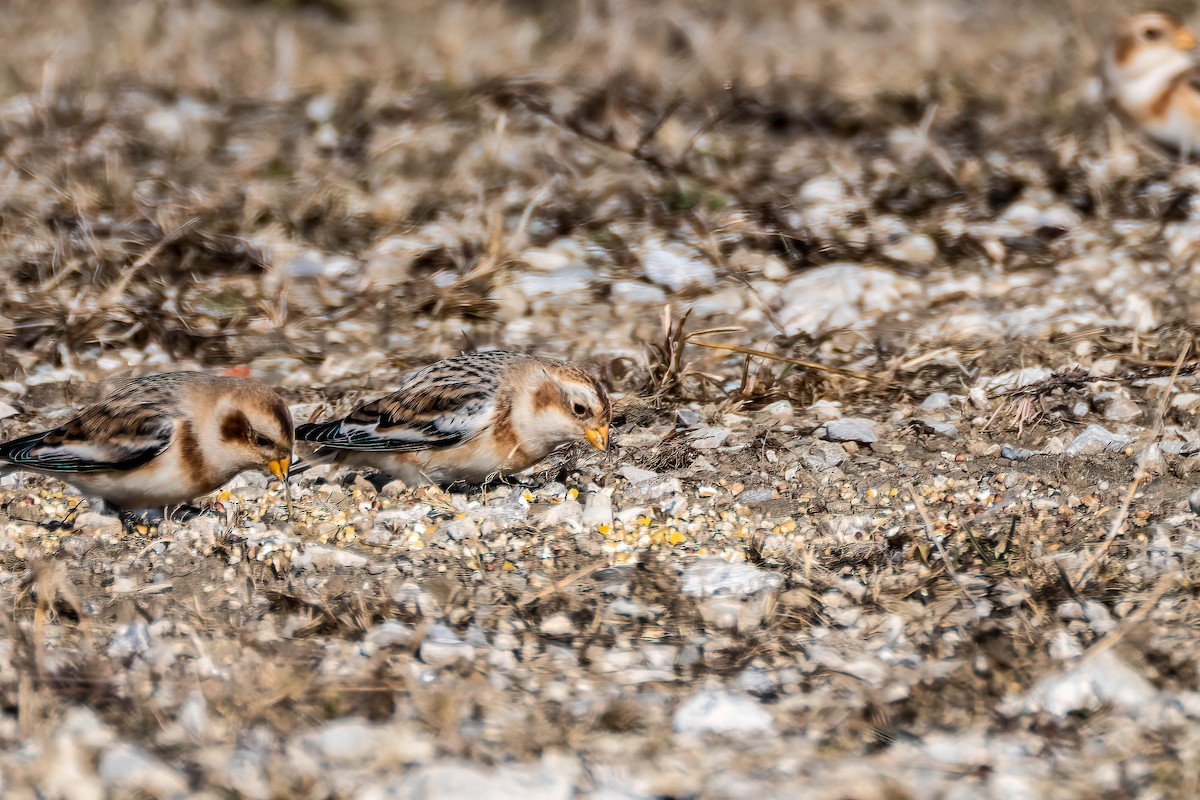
(1094, 682)
(707, 577)
(709, 438)
(636, 474)
(1096, 439)
(917, 249)
(851, 429)
(780, 409)
(938, 401)
(387, 634)
(568, 512)
(598, 510)
(675, 269)
(1122, 409)
(842, 295)
(126, 768)
(557, 625)
(826, 410)
(627, 293)
(553, 779)
(319, 557)
(94, 524)
(654, 489)
(442, 646)
(721, 712)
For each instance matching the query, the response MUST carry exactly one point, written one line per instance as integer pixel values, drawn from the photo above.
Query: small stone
(636, 474)
(826, 410)
(459, 529)
(753, 496)
(676, 271)
(557, 625)
(441, 646)
(655, 489)
(389, 633)
(721, 712)
(598, 510)
(7, 411)
(709, 438)
(940, 428)
(1122, 409)
(623, 293)
(126, 768)
(568, 512)
(1096, 439)
(1017, 453)
(707, 577)
(851, 429)
(1095, 682)
(319, 557)
(780, 409)
(822, 456)
(94, 524)
(394, 488)
(938, 401)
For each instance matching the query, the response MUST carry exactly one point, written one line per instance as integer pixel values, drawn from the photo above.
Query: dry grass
(170, 171)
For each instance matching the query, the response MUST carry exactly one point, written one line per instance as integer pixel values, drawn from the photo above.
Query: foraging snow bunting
(469, 418)
(1150, 76)
(161, 440)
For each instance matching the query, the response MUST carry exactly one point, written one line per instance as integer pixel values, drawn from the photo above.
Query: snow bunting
(161, 440)
(469, 418)
(1151, 78)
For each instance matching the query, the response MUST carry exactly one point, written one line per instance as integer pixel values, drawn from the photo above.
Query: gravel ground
(925, 532)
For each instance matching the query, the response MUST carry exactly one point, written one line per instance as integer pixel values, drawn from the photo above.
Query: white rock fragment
(669, 266)
(1096, 681)
(557, 625)
(1122, 409)
(568, 512)
(552, 779)
(707, 577)
(94, 524)
(7, 411)
(636, 474)
(721, 712)
(851, 429)
(1096, 439)
(938, 401)
(598, 510)
(318, 557)
(128, 768)
(842, 295)
(389, 633)
(442, 646)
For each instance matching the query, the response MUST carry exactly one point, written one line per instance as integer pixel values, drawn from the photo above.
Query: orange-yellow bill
(279, 468)
(598, 437)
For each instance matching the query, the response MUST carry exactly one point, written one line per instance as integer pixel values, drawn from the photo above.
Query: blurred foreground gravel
(954, 560)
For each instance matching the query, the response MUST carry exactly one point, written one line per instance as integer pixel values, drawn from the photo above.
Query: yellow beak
(1185, 39)
(279, 468)
(598, 437)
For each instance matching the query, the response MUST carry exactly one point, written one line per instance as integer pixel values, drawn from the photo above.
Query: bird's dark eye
(1152, 34)
(579, 410)
(260, 440)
